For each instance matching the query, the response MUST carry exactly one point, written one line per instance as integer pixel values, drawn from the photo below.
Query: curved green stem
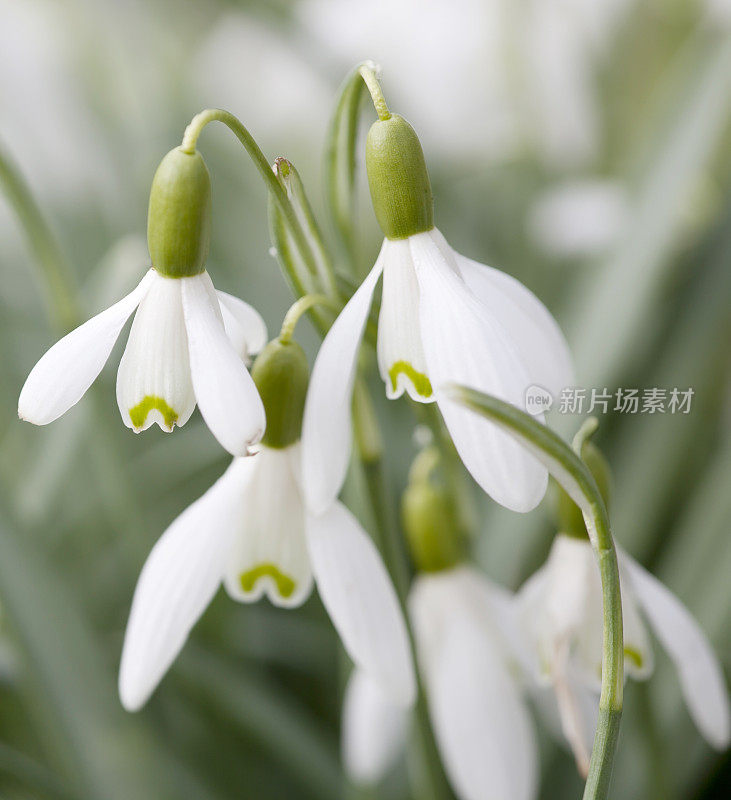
(576, 479)
(276, 189)
(300, 307)
(367, 71)
(56, 279)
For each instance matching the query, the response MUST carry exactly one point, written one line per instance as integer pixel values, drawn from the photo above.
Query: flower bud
(569, 518)
(179, 216)
(431, 522)
(281, 374)
(398, 179)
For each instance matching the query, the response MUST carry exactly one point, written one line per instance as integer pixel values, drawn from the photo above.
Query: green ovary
(285, 584)
(420, 382)
(139, 413)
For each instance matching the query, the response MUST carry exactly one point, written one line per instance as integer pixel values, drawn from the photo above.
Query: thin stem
(276, 189)
(56, 279)
(576, 479)
(300, 307)
(368, 73)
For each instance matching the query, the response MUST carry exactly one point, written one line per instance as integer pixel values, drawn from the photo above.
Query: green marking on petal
(420, 382)
(634, 655)
(285, 584)
(150, 402)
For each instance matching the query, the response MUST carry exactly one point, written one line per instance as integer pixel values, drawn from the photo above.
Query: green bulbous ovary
(179, 217)
(433, 533)
(569, 518)
(281, 374)
(398, 179)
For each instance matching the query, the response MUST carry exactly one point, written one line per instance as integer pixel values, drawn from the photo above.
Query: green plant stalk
(277, 191)
(56, 278)
(66, 315)
(574, 477)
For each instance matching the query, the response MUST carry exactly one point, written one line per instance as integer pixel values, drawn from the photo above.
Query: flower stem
(368, 73)
(576, 479)
(276, 189)
(56, 279)
(300, 307)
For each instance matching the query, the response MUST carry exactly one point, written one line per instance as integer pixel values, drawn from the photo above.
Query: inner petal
(270, 553)
(400, 354)
(153, 382)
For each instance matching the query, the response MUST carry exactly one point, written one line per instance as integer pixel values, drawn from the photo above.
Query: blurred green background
(580, 145)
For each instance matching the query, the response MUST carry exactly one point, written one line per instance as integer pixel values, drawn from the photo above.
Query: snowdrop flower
(464, 627)
(187, 343)
(560, 613)
(444, 319)
(251, 532)
(482, 726)
(561, 609)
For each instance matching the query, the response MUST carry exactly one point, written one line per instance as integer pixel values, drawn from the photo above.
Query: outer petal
(481, 724)
(464, 344)
(62, 376)
(530, 326)
(400, 354)
(244, 325)
(178, 581)
(153, 381)
(359, 596)
(701, 677)
(326, 427)
(226, 394)
(269, 553)
(374, 730)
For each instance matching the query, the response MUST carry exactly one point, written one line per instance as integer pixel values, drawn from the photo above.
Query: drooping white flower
(186, 345)
(462, 624)
(444, 319)
(560, 611)
(250, 531)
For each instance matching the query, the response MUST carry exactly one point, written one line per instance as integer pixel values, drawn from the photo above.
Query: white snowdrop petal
(269, 554)
(327, 424)
(700, 673)
(244, 325)
(481, 723)
(226, 394)
(358, 594)
(153, 381)
(62, 376)
(464, 344)
(373, 730)
(532, 330)
(179, 579)
(400, 354)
